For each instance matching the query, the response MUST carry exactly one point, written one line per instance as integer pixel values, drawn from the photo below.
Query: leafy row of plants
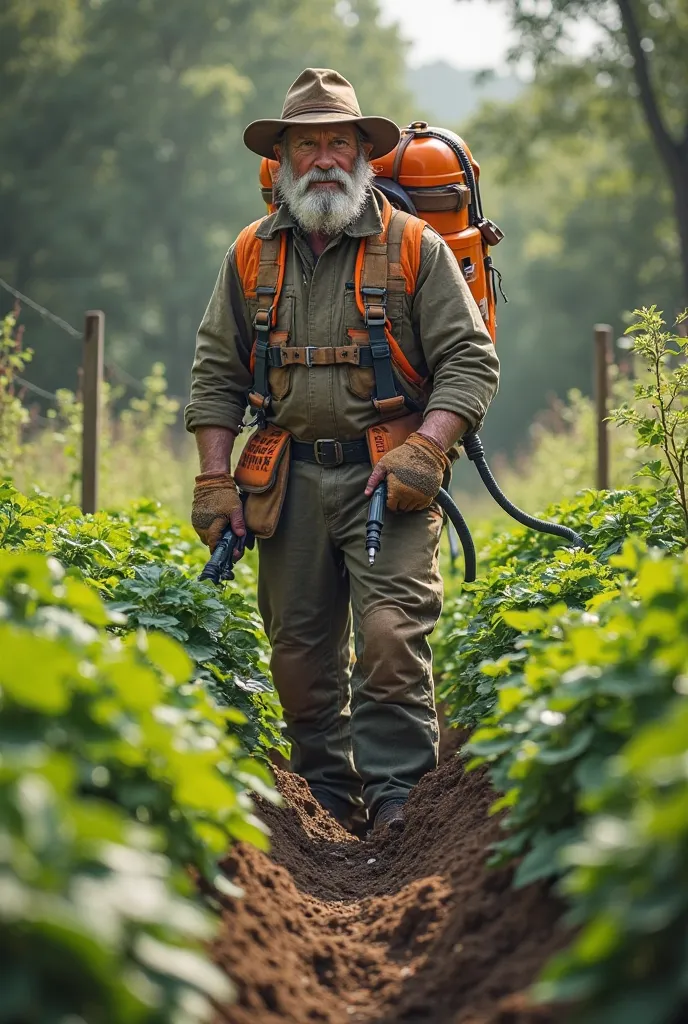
(131, 696)
(588, 743)
(144, 562)
(573, 666)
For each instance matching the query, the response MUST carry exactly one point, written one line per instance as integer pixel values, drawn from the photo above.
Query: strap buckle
(308, 355)
(332, 455)
(375, 313)
(259, 402)
(262, 321)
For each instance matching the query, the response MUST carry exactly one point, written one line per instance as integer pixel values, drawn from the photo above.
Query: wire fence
(92, 364)
(110, 365)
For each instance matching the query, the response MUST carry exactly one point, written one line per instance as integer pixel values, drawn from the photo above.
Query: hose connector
(473, 446)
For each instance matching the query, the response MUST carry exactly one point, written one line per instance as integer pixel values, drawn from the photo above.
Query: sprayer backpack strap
(388, 262)
(268, 285)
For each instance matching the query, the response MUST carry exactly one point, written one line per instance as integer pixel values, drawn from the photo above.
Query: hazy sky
(468, 34)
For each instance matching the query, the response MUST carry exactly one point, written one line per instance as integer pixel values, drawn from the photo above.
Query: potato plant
(571, 668)
(123, 773)
(145, 563)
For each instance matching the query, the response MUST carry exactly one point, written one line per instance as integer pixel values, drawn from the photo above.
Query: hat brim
(261, 137)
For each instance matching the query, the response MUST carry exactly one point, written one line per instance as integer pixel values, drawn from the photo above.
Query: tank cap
(418, 126)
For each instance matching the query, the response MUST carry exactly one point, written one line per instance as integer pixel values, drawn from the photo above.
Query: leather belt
(318, 355)
(329, 452)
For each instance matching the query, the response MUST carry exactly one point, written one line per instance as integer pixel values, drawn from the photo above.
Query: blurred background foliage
(123, 178)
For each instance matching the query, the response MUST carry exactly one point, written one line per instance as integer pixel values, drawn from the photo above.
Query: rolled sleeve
(457, 347)
(220, 375)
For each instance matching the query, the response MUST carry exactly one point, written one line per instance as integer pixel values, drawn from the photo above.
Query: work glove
(216, 503)
(414, 473)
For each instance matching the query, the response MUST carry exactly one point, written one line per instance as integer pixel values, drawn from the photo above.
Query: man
(362, 737)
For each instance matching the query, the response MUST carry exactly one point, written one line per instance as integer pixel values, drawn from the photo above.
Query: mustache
(316, 175)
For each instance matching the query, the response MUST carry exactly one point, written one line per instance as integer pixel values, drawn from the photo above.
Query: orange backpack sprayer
(431, 175)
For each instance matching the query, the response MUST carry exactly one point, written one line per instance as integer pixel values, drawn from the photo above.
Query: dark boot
(390, 815)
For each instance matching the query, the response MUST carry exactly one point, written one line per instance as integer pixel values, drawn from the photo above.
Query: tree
(640, 53)
(590, 234)
(123, 176)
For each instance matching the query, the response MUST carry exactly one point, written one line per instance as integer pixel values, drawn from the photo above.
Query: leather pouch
(263, 474)
(383, 437)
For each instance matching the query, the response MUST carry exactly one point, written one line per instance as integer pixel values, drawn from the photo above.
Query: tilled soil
(400, 929)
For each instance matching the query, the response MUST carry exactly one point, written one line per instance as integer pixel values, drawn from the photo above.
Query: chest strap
(316, 355)
(382, 264)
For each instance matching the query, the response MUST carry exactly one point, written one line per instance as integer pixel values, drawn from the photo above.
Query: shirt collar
(368, 222)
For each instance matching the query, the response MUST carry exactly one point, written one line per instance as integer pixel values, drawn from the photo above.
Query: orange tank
(266, 176)
(436, 170)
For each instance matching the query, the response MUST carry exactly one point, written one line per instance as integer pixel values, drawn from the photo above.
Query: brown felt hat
(321, 96)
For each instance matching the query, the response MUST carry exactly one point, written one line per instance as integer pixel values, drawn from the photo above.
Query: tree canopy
(638, 61)
(123, 176)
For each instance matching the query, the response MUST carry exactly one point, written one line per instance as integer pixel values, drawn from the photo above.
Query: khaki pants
(369, 730)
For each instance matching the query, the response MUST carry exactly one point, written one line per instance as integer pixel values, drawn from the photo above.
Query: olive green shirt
(439, 328)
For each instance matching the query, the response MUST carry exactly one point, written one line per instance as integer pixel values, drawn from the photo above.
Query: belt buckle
(308, 358)
(324, 459)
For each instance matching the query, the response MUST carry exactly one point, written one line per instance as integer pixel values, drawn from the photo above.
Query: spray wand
(473, 447)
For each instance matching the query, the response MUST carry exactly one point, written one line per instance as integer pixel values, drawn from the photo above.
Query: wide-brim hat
(321, 96)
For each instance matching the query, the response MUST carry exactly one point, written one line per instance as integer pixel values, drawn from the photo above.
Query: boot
(390, 815)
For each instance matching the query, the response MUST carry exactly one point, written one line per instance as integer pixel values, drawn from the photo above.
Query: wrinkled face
(311, 146)
(324, 176)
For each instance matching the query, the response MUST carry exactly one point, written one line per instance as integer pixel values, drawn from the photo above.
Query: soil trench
(410, 928)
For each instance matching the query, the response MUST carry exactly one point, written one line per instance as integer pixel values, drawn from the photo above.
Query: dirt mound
(397, 930)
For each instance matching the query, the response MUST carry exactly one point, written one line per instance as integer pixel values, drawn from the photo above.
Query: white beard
(325, 211)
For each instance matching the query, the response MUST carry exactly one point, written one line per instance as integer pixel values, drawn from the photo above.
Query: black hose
(473, 448)
(475, 210)
(448, 505)
(453, 549)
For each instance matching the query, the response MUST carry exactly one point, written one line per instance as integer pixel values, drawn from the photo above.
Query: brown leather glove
(414, 473)
(216, 502)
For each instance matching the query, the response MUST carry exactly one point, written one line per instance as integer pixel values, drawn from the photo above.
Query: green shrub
(628, 883)
(146, 562)
(219, 632)
(117, 774)
(140, 453)
(13, 415)
(589, 745)
(522, 570)
(659, 412)
(573, 667)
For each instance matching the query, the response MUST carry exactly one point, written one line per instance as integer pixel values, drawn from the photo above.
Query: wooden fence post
(603, 353)
(91, 381)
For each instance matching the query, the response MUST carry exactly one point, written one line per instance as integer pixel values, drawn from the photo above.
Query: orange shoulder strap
(260, 263)
(247, 256)
(385, 261)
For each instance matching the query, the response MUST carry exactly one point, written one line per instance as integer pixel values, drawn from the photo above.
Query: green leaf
(169, 657)
(578, 745)
(525, 621)
(47, 690)
(510, 697)
(137, 686)
(542, 860)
